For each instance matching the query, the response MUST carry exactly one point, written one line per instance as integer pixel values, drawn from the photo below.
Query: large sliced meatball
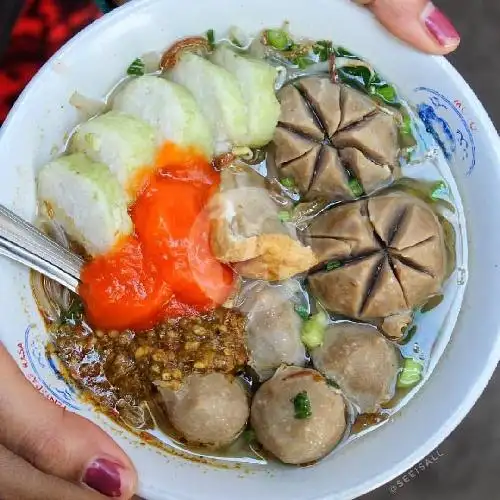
(381, 256)
(361, 361)
(284, 427)
(332, 141)
(273, 327)
(246, 229)
(210, 410)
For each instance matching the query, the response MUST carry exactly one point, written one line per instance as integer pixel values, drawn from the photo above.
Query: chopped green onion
(405, 128)
(74, 313)
(249, 436)
(376, 81)
(136, 68)
(323, 49)
(313, 330)
(364, 78)
(342, 52)
(91, 140)
(278, 39)
(332, 383)
(333, 264)
(409, 154)
(302, 62)
(409, 332)
(302, 406)
(293, 47)
(439, 190)
(411, 374)
(236, 42)
(288, 182)
(406, 137)
(358, 76)
(211, 38)
(356, 188)
(302, 311)
(386, 92)
(284, 216)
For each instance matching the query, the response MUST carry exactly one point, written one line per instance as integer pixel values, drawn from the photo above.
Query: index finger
(417, 22)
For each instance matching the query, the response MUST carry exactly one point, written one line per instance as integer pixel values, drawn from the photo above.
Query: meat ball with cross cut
(380, 256)
(332, 142)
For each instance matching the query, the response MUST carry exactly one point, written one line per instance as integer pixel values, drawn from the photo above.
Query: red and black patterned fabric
(43, 26)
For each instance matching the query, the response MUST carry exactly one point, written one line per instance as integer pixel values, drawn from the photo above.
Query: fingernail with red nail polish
(440, 26)
(103, 476)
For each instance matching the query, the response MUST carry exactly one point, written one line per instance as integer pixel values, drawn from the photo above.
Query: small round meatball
(297, 417)
(273, 328)
(210, 410)
(361, 361)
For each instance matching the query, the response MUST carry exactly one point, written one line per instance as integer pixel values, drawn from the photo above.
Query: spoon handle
(24, 243)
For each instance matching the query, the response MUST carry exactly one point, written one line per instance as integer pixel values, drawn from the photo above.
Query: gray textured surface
(469, 468)
(478, 22)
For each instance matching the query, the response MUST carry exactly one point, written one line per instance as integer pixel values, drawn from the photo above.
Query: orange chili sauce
(166, 269)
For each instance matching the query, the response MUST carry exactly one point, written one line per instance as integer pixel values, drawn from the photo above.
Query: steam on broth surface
(279, 240)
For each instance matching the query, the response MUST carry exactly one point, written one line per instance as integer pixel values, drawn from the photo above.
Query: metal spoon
(24, 243)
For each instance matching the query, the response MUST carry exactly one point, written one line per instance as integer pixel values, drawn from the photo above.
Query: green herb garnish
(333, 264)
(249, 436)
(406, 137)
(136, 68)
(313, 330)
(288, 182)
(409, 154)
(285, 216)
(302, 406)
(236, 42)
(211, 39)
(278, 39)
(74, 313)
(342, 52)
(332, 383)
(385, 92)
(356, 188)
(439, 190)
(357, 76)
(409, 332)
(410, 375)
(302, 61)
(365, 79)
(405, 128)
(323, 49)
(302, 311)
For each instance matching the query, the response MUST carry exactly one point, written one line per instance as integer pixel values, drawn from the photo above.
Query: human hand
(48, 452)
(417, 22)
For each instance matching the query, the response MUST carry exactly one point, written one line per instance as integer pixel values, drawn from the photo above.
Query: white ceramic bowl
(93, 61)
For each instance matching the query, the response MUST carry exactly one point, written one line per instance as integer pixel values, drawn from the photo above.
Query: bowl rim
(471, 396)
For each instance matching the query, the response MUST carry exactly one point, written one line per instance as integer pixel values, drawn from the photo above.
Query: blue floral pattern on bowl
(445, 121)
(43, 369)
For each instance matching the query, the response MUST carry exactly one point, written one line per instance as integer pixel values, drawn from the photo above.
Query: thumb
(58, 442)
(418, 22)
